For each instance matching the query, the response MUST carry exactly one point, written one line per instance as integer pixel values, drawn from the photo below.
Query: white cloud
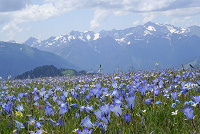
(10, 29)
(99, 16)
(24, 11)
(29, 14)
(35, 13)
(148, 17)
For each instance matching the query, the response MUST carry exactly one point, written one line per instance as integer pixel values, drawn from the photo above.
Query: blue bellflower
(65, 93)
(188, 112)
(196, 99)
(37, 124)
(158, 102)
(52, 122)
(131, 102)
(127, 117)
(63, 108)
(173, 105)
(31, 121)
(86, 122)
(85, 131)
(161, 84)
(20, 108)
(62, 97)
(18, 124)
(60, 122)
(98, 113)
(156, 91)
(74, 106)
(7, 107)
(174, 95)
(117, 110)
(105, 109)
(142, 90)
(147, 101)
(48, 110)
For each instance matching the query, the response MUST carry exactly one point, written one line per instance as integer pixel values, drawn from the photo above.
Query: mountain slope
(18, 58)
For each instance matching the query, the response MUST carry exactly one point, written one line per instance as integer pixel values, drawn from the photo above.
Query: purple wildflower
(48, 110)
(148, 101)
(20, 108)
(131, 102)
(196, 99)
(188, 112)
(127, 117)
(174, 95)
(117, 110)
(86, 122)
(31, 121)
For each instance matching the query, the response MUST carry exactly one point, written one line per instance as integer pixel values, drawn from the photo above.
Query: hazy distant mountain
(17, 58)
(137, 47)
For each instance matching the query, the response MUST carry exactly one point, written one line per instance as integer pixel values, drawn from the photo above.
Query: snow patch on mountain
(183, 30)
(57, 38)
(120, 40)
(128, 34)
(151, 28)
(88, 37)
(147, 32)
(81, 37)
(70, 38)
(96, 36)
(171, 29)
(159, 24)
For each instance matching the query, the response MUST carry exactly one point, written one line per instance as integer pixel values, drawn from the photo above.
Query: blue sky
(21, 19)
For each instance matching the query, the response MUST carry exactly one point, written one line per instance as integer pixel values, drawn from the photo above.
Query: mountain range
(148, 46)
(139, 47)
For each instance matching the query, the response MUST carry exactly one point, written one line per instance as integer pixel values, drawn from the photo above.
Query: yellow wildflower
(69, 99)
(18, 114)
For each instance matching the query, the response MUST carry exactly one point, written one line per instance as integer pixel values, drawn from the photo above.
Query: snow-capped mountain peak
(140, 47)
(123, 37)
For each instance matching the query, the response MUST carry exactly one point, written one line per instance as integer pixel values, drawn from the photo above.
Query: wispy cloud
(148, 17)
(15, 12)
(99, 16)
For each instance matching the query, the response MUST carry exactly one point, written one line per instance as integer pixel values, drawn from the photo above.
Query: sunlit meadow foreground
(136, 102)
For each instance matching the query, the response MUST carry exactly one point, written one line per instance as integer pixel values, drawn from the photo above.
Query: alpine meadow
(99, 66)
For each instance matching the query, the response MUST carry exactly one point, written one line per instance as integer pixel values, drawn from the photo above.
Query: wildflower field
(164, 101)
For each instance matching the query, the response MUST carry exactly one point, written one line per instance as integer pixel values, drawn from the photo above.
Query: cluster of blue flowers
(93, 100)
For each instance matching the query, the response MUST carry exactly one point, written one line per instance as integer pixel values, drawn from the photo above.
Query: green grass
(68, 73)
